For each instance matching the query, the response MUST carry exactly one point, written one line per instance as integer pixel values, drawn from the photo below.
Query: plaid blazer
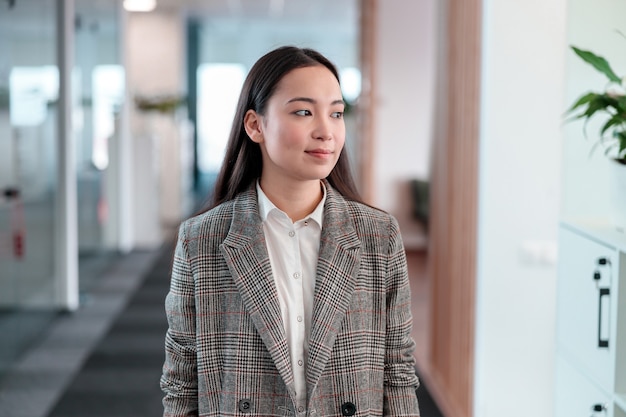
(225, 350)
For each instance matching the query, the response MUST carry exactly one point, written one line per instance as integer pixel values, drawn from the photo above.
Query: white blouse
(293, 251)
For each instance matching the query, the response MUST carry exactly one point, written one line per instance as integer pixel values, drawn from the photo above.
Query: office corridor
(121, 376)
(87, 367)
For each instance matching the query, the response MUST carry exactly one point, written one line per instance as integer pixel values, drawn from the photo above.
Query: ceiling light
(277, 7)
(139, 5)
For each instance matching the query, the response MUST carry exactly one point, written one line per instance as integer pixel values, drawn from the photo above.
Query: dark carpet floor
(121, 376)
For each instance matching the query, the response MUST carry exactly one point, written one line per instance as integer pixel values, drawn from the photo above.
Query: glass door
(29, 90)
(98, 94)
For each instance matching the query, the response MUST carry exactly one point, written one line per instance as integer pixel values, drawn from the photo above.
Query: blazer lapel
(337, 270)
(245, 252)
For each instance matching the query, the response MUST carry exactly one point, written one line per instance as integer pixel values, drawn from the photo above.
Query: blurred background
(113, 120)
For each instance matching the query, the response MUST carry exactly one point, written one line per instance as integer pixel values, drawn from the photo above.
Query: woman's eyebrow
(313, 101)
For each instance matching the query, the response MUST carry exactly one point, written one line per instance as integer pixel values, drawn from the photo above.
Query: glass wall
(29, 91)
(98, 91)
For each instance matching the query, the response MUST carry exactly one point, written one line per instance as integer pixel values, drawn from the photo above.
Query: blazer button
(348, 409)
(245, 406)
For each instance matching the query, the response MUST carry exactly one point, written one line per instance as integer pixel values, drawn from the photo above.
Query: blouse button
(296, 275)
(292, 233)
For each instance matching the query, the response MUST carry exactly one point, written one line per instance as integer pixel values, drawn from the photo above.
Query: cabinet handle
(602, 343)
(598, 407)
(603, 261)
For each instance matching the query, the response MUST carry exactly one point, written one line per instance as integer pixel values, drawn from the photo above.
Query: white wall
(522, 102)
(405, 77)
(155, 67)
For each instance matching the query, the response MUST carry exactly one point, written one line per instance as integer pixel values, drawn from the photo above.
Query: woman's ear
(253, 124)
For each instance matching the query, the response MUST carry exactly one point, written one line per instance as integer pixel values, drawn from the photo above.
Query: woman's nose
(323, 129)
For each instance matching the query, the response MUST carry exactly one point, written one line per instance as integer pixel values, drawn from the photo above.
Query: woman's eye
(303, 113)
(337, 115)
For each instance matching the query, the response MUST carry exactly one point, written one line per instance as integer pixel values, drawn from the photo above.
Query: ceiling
(326, 10)
(251, 25)
(22, 16)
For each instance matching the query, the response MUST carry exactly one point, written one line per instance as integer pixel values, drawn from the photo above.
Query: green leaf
(594, 147)
(594, 103)
(615, 120)
(598, 103)
(598, 63)
(584, 99)
(607, 151)
(621, 138)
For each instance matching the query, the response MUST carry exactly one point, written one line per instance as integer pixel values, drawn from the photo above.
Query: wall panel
(453, 231)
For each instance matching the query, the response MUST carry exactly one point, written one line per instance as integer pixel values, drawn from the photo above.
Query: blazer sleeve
(400, 380)
(179, 378)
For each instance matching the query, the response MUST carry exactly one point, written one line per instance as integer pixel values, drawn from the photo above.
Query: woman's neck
(297, 200)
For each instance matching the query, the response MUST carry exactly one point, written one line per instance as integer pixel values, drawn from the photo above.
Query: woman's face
(302, 131)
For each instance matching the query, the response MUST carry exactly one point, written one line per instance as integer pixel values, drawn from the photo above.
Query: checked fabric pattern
(226, 352)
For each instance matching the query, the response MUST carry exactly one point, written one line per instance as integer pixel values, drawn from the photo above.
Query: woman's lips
(320, 153)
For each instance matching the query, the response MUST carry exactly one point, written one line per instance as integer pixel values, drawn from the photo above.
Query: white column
(154, 68)
(124, 151)
(522, 106)
(66, 233)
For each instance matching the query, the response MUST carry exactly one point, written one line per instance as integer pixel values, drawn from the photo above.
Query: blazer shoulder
(371, 217)
(210, 222)
(365, 220)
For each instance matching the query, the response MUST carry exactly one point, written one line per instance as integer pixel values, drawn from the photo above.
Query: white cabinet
(577, 396)
(591, 322)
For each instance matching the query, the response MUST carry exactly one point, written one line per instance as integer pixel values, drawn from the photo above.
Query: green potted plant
(4, 98)
(166, 104)
(611, 104)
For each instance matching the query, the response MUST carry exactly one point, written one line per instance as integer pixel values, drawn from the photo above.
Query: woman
(289, 296)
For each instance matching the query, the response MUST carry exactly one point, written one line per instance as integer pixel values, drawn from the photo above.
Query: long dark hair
(243, 160)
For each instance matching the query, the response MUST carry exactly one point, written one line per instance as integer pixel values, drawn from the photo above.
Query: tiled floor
(40, 377)
(121, 376)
